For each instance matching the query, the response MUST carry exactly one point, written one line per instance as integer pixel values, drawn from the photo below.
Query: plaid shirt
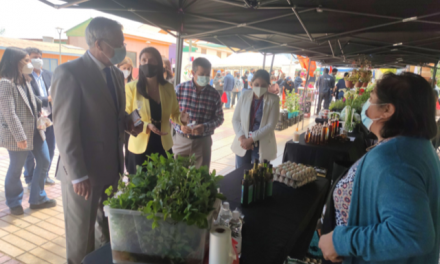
(204, 107)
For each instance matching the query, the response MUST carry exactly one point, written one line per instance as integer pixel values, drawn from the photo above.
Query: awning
(388, 33)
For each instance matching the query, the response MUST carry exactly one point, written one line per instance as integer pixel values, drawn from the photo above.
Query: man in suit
(40, 83)
(89, 118)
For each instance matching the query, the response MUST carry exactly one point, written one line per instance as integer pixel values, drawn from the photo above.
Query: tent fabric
(388, 33)
(247, 60)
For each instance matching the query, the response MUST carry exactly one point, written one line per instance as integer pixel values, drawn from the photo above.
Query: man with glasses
(89, 119)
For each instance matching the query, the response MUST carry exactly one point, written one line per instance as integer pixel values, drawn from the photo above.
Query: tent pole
(179, 50)
(264, 60)
(305, 91)
(302, 24)
(434, 74)
(271, 65)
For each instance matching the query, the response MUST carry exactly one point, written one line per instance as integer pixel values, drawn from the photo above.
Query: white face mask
(126, 73)
(259, 91)
(202, 80)
(37, 63)
(28, 68)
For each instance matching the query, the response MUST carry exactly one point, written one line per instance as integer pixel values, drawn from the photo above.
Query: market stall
(325, 156)
(274, 229)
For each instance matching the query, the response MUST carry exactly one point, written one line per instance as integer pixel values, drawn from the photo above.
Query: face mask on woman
(367, 121)
(28, 68)
(274, 82)
(149, 70)
(259, 91)
(126, 73)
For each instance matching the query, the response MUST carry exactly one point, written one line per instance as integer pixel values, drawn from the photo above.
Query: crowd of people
(391, 194)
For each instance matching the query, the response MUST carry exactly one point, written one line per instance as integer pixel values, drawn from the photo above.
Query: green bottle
(256, 180)
(246, 189)
(262, 184)
(269, 181)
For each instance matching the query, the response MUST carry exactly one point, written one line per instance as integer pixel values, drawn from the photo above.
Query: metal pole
(264, 60)
(305, 91)
(60, 30)
(302, 24)
(433, 77)
(190, 49)
(271, 65)
(179, 47)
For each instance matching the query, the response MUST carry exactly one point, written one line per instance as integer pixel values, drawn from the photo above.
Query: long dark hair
(167, 68)
(414, 100)
(9, 65)
(142, 83)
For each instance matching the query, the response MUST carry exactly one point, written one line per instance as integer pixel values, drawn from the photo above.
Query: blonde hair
(128, 61)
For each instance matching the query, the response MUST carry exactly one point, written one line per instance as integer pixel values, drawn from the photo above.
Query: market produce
(294, 175)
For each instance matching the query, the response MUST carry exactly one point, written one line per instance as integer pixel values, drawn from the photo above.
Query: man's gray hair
(101, 28)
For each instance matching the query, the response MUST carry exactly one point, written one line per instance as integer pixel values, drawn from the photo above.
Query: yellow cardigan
(170, 109)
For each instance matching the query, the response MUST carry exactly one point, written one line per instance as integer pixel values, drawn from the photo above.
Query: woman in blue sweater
(387, 207)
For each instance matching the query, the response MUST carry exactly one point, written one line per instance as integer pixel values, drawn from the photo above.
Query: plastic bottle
(235, 226)
(225, 215)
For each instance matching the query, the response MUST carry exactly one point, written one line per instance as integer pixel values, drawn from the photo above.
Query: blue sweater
(228, 83)
(394, 215)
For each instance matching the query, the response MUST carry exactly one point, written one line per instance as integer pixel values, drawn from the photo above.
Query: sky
(32, 19)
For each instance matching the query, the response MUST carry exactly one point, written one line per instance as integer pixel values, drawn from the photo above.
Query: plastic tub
(134, 241)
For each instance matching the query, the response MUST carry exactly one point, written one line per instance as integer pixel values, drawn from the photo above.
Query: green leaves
(167, 188)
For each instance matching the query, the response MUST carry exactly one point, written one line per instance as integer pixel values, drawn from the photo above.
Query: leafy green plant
(175, 199)
(292, 102)
(337, 105)
(172, 188)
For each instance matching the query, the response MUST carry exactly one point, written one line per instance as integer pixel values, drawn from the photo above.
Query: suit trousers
(200, 147)
(86, 225)
(326, 96)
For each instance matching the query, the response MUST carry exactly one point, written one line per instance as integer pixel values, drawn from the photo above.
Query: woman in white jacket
(254, 121)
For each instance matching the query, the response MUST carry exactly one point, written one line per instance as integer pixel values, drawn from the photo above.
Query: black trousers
(324, 97)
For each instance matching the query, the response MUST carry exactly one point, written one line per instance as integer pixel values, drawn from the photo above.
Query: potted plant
(291, 101)
(354, 78)
(347, 81)
(163, 213)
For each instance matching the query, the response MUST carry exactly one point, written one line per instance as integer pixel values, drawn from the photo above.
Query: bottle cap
(226, 205)
(236, 215)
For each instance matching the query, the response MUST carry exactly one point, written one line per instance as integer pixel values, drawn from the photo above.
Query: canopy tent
(386, 33)
(254, 60)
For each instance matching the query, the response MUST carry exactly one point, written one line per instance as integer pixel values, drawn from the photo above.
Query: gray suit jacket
(88, 126)
(17, 120)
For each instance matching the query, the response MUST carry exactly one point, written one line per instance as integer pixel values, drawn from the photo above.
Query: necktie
(111, 85)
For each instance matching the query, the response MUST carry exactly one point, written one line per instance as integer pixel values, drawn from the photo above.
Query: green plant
(337, 105)
(171, 187)
(292, 102)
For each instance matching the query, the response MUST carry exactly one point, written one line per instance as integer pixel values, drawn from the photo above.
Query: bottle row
(257, 183)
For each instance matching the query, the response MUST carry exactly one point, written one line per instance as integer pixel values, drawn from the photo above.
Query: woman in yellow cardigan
(156, 101)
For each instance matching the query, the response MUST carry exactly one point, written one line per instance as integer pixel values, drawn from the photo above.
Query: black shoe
(49, 181)
(50, 203)
(18, 210)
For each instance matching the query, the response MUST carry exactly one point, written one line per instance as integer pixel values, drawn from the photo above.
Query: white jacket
(266, 133)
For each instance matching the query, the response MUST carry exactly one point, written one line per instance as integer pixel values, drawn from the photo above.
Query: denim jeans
(234, 95)
(228, 104)
(248, 158)
(29, 166)
(13, 186)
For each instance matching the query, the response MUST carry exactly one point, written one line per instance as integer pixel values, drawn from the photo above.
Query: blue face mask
(202, 80)
(365, 120)
(119, 54)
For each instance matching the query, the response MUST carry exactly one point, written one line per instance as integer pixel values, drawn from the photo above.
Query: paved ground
(38, 236)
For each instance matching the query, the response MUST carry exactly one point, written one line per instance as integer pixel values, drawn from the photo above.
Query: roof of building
(78, 30)
(45, 47)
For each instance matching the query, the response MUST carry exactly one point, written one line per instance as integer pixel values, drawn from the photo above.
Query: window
(50, 64)
(219, 54)
(133, 56)
(203, 50)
